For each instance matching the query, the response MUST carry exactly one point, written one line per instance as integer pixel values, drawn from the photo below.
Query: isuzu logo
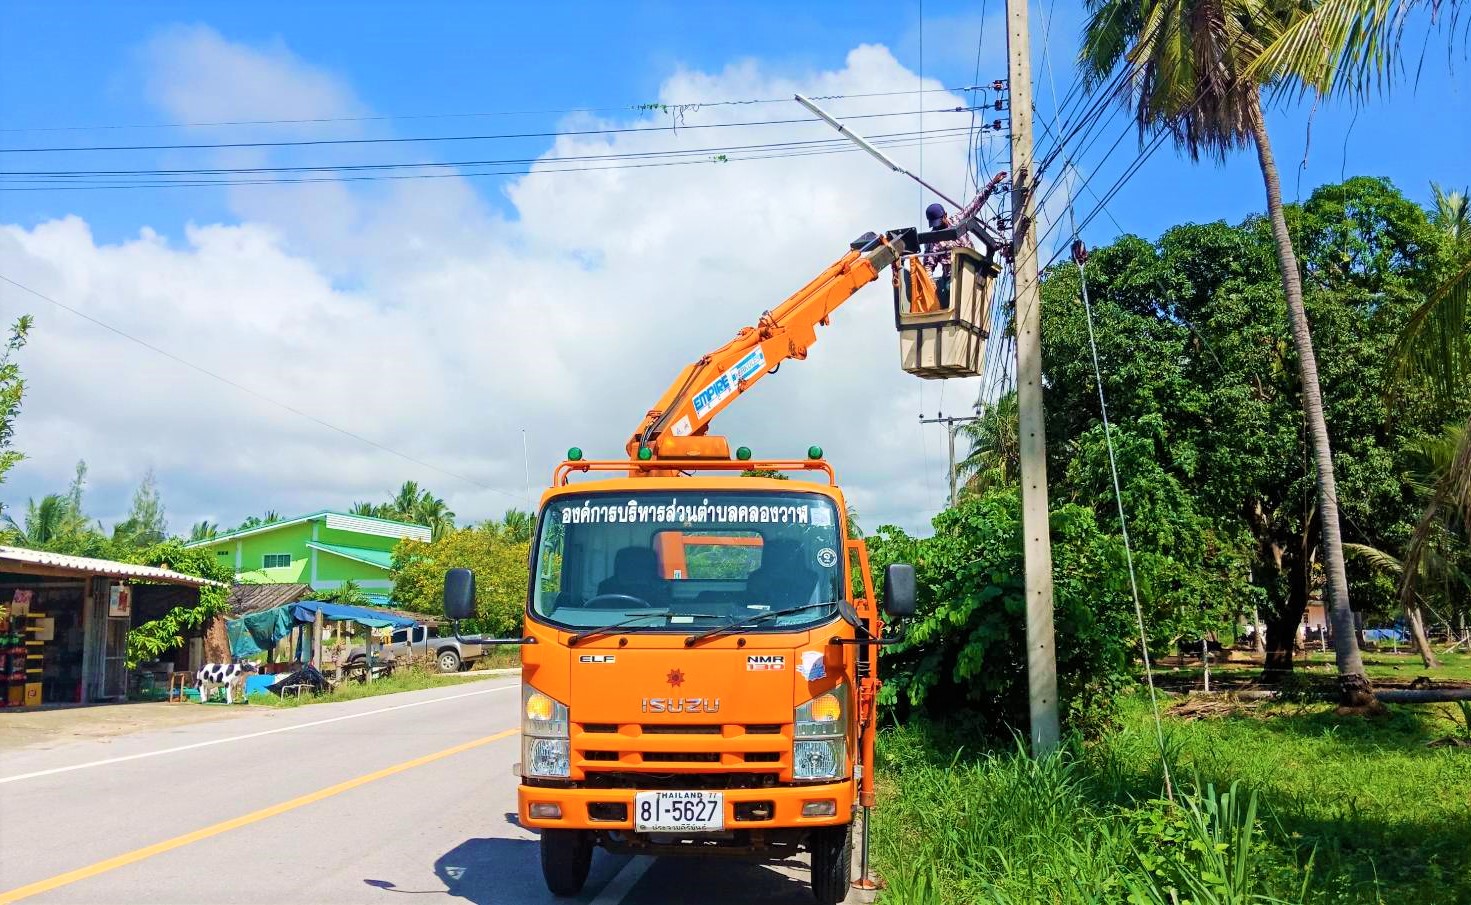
(681, 705)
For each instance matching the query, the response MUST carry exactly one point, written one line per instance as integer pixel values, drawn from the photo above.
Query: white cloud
(414, 314)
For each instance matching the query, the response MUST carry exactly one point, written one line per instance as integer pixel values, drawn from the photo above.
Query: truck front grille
(655, 781)
(678, 729)
(681, 757)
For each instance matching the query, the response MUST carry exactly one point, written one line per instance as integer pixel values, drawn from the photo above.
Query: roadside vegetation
(1274, 803)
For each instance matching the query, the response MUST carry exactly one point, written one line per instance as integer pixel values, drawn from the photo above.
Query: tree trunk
(1416, 623)
(1284, 620)
(1353, 684)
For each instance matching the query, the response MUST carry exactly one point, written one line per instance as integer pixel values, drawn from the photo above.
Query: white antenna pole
(879, 155)
(526, 464)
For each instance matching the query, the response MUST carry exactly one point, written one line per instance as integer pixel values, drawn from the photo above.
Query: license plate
(678, 811)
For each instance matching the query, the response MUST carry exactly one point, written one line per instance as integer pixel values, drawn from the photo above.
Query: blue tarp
(252, 634)
(306, 611)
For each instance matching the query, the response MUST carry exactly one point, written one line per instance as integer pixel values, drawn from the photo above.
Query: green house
(323, 549)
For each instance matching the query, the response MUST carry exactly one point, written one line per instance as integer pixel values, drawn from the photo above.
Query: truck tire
(832, 862)
(566, 856)
(448, 660)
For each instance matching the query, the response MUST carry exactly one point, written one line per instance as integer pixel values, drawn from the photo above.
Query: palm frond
(1375, 557)
(1449, 504)
(1340, 46)
(1435, 345)
(1348, 47)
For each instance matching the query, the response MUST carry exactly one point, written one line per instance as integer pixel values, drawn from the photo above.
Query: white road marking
(249, 735)
(623, 882)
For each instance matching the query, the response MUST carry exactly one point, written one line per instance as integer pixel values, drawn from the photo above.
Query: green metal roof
(380, 558)
(282, 523)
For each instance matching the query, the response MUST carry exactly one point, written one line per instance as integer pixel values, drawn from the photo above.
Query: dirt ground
(51, 726)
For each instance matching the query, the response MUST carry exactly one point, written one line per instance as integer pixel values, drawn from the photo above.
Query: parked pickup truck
(449, 654)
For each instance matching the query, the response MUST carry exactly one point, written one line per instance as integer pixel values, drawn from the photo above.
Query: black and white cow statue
(226, 675)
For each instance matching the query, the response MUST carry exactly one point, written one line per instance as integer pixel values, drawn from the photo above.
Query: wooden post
(1036, 540)
(318, 624)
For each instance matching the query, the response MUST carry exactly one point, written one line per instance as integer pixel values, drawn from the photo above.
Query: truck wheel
(832, 862)
(448, 660)
(566, 856)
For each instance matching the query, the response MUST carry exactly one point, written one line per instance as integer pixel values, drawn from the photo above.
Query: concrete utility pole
(951, 426)
(1036, 540)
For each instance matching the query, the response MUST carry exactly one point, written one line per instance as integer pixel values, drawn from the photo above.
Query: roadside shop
(64, 623)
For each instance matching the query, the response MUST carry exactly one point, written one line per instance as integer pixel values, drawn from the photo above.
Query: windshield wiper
(614, 627)
(748, 621)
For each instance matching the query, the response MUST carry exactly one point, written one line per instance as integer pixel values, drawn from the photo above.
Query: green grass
(405, 680)
(1348, 810)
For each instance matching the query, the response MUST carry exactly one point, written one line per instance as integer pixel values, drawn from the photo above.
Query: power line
(505, 161)
(248, 391)
(496, 136)
(658, 107)
(98, 184)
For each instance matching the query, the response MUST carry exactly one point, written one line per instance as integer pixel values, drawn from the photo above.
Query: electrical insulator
(998, 85)
(997, 105)
(996, 125)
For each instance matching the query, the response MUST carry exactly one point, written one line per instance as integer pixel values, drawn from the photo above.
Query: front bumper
(578, 806)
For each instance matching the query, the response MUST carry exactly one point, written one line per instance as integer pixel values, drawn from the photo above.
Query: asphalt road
(360, 802)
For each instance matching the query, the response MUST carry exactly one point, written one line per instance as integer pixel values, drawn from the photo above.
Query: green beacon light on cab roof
(574, 454)
(645, 454)
(743, 453)
(814, 452)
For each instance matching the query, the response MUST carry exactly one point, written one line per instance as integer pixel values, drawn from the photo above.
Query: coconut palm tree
(1187, 70)
(203, 530)
(515, 526)
(45, 522)
(994, 459)
(1435, 350)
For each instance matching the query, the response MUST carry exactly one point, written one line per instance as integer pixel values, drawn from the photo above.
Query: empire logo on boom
(681, 705)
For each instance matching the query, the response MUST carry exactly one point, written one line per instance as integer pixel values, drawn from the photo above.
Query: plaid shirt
(938, 253)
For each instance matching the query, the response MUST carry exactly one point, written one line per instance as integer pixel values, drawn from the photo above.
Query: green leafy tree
(1215, 459)
(1190, 74)
(12, 391)
(501, 575)
(157, 637)
(964, 652)
(203, 530)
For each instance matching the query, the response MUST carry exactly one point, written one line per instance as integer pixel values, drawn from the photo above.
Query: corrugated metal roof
(337, 520)
(380, 558)
(85, 565)
(257, 598)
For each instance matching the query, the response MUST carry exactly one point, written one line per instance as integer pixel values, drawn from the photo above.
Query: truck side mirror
(899, 590)
(459, 594)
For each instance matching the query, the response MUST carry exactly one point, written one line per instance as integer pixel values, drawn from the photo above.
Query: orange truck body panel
(743, 721)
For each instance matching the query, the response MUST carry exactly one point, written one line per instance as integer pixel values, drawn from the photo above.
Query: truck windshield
(703, 560)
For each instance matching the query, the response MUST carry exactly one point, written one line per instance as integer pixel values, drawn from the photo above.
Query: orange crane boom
(676, 427)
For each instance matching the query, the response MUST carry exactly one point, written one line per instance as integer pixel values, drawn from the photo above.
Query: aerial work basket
(945, 336)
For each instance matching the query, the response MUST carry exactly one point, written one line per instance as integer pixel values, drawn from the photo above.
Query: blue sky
(380, 251)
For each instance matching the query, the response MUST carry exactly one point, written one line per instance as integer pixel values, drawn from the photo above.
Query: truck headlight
(549, 757)
(820, 749)
(545, 748)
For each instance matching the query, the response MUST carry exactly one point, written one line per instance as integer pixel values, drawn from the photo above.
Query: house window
(276, 560)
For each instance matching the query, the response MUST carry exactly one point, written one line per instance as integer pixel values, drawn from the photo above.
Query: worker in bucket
(938, 253)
